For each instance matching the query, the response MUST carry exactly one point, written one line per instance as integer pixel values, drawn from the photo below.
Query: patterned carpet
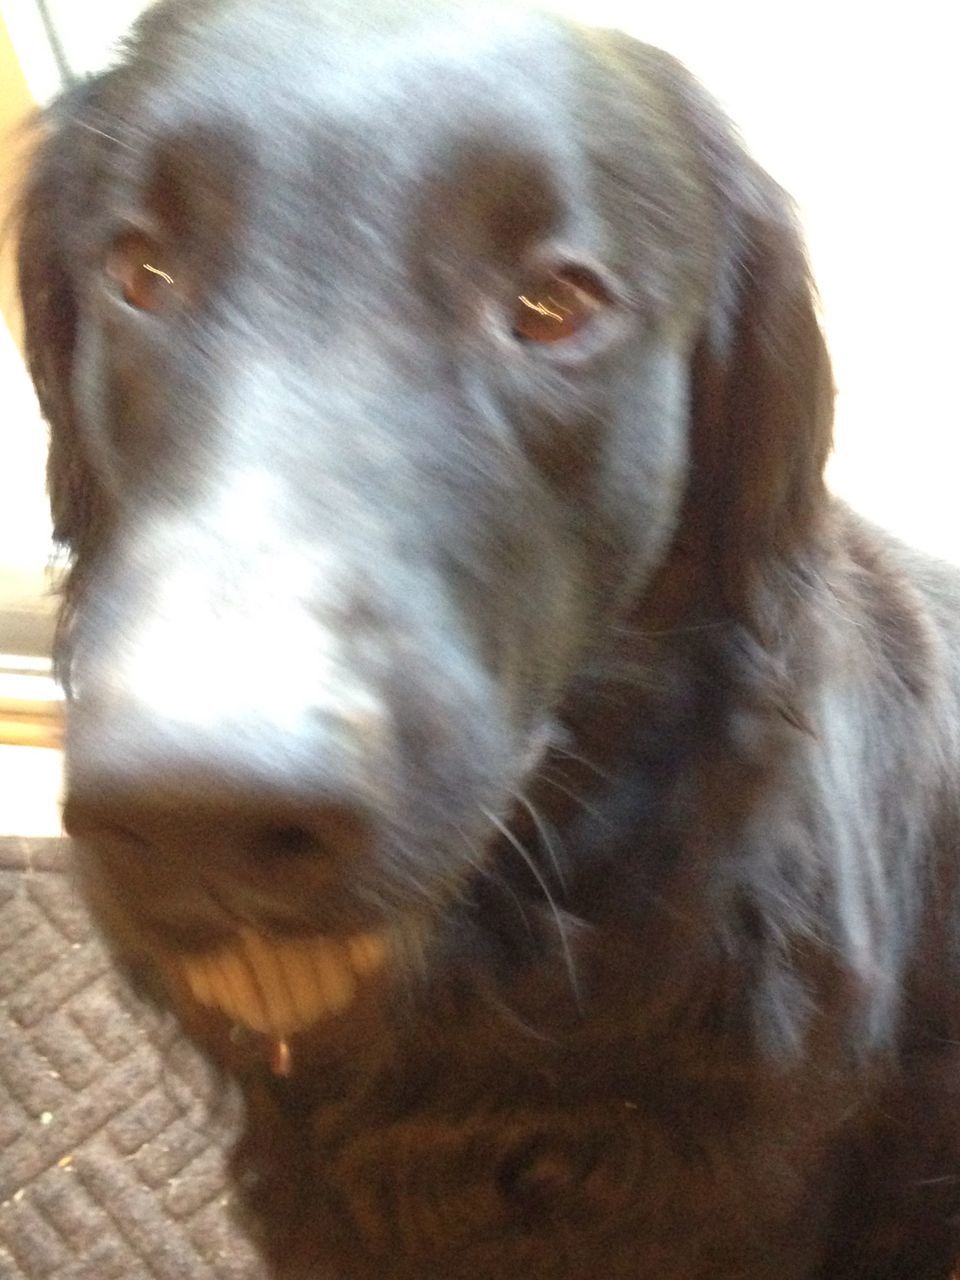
(112, 1130)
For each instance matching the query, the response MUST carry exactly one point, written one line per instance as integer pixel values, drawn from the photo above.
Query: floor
(30, 782)
(113, 1131)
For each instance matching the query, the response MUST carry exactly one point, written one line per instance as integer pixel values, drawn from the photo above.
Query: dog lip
(282, 986)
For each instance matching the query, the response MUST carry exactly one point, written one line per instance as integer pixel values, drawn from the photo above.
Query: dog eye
(135, 263)
(557, 306)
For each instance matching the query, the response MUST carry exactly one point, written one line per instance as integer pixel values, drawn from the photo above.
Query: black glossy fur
(643, 750)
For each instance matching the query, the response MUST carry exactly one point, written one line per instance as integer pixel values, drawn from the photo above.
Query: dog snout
(209, 830)
(241, 790)
(221, 725)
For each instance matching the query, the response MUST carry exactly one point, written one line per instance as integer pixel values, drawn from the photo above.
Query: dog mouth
(280, 987)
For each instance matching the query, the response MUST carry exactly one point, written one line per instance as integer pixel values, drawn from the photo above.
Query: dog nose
(247, 783)
(212, 702)
(207, 823)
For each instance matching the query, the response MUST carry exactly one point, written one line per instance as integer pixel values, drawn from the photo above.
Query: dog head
(388, 361)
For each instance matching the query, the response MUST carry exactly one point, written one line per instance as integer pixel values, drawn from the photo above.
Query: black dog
(485, 730)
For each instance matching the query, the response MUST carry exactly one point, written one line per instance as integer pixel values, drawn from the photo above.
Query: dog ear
(51, 205)
(761, 387)
(762, 394)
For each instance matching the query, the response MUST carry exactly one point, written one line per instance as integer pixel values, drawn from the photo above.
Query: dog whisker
(535, 871)
(546, 777)
(545, 839)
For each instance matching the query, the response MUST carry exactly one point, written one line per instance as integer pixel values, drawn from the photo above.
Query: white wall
(87, 30)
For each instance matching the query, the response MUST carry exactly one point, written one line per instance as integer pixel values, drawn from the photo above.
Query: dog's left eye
(136, 265)
(557, 306)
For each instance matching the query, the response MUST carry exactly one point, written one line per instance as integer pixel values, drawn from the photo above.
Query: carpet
(113, 1131)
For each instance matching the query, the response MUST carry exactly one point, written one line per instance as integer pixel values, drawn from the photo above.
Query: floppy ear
(761, 387)
(762, 394)
(51, 206)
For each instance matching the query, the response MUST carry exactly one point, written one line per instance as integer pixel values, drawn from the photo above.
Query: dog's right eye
(136, 266)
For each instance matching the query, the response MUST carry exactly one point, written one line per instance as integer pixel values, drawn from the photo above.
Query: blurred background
(852, 107)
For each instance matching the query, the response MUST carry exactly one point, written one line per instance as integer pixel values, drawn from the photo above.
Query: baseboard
(31, 703)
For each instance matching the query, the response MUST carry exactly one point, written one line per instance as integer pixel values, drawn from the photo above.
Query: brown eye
(135, 263)
(557, 306)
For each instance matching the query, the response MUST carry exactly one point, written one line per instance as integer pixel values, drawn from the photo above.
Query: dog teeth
(199, 980)
(280, 987)
(237, 991)
(276, 989)
(367, 952)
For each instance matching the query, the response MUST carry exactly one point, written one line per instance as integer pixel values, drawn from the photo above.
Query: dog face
(389, 362)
